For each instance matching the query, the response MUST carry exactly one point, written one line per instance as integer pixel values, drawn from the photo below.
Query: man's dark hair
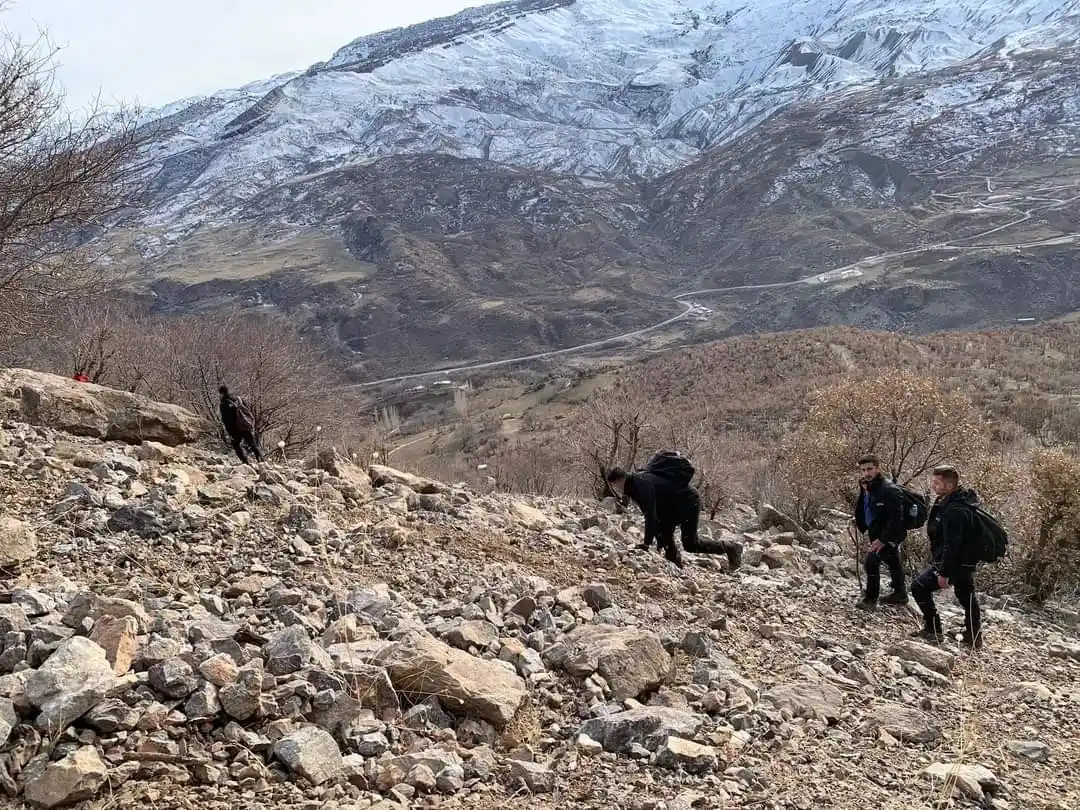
(615, 474)
(949, 473)
(223, 390)
(870, 458)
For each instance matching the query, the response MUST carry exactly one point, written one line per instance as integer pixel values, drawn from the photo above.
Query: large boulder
(85, 409)
(423, 665)
(74, 679)
(633, 661)
(77, 777)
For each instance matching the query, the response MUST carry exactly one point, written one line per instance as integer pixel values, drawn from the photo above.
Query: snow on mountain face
(599, 88)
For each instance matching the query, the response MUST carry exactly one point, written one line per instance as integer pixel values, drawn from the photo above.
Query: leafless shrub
(60, 181)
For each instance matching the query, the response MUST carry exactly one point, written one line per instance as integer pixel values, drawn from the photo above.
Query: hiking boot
(929, 636)
(975, 642)
(895, 598)
(675, 560)
(734, 553)
(643, 546)
(866, 605)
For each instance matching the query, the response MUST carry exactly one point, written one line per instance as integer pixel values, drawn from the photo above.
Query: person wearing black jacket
(238, 424)
(954, 554)
(668, 504)
(879, 512)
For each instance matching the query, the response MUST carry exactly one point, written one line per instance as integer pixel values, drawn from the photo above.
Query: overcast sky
(158, 51)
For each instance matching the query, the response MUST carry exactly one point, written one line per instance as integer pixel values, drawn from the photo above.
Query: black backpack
(916, 508)
(245, 419)
(990, 536)
(672, 465)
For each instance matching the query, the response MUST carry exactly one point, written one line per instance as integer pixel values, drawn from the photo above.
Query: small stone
(686, 754)
(1030, 749)
(240, 699)
(220, 669)
(18, 542)
(973, 781)
(422, 778)
(587, 745)
(312, 753)
(933, 658)
(537, 777)
(203, 703)
(174, 678)
(597, 596)
(118, 637)
(292, 649)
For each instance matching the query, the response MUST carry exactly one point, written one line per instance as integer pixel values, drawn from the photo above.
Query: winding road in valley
(680, 299)
(853, 270)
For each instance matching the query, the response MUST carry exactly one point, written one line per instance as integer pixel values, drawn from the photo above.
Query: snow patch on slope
(597, 88)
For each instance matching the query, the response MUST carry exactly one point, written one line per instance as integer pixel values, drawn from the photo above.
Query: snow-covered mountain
(602, 89)
(539, 174)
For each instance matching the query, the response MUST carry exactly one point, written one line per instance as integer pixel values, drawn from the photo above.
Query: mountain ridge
(382, 208)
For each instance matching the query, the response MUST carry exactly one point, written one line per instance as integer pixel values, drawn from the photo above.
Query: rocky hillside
(535, 175)
(181, 631)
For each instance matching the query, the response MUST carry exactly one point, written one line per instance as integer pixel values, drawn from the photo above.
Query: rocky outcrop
(84, 409)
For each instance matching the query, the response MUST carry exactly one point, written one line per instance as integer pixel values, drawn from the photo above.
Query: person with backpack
(667, 500)
(879, 513)
(955, 531)
(239, 423)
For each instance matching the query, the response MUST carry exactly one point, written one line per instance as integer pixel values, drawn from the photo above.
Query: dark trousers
(688, 533)
(890, 556)
(239, 439)
(925, 585)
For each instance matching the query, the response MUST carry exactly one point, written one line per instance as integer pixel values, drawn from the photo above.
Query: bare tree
(614, 432)
(60, 180)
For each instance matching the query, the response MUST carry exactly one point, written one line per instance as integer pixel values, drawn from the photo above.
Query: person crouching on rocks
(667, 500)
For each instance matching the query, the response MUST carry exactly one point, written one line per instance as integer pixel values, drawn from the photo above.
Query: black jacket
(950, 528)
(886, 509)
(235, 421)
(664, 503)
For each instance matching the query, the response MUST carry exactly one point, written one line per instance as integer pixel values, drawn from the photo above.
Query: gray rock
(111, 716)
(973, 781)
(13, 618)
(692, 757)
(933, 658)
(203, 703)
(633, 661)
(312, 753)
(77, 777)
(814, 701)
(648, 726)
(173, 679)
(903, 723)
(1028, 749)
(35, 603)
(597, 596)
(18, 542)
(75, 678)
(479, 634)
(8, 719)
(240, 699)
(537, 777)
(291, 649)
